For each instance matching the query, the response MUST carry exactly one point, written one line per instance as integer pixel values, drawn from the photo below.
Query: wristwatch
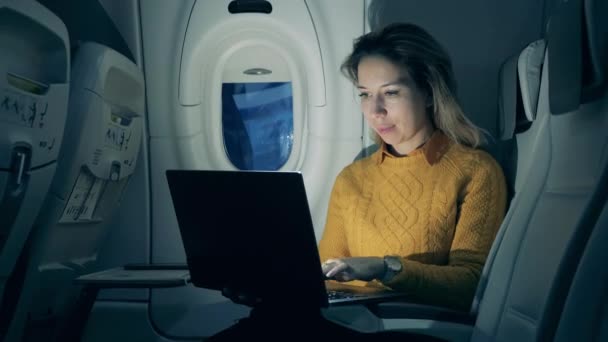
(392, 266)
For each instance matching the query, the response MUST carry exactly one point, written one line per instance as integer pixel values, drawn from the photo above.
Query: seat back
(585, 313)
(562, 182)
(101, 146)
(519, 127)
(34, 84)
(592, 39)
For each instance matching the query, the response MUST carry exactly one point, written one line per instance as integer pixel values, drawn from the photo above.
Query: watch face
(393, 264)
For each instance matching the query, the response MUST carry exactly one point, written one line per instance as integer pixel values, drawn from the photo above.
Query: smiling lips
(385, 129)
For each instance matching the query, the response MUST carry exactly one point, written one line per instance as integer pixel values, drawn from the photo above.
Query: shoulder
(359, 167)
(473, 161)
(483, 179)
(355, 173)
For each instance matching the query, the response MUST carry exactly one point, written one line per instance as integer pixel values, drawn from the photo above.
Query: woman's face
(392, 104)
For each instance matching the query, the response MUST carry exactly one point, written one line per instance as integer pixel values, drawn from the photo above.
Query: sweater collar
(433, 149)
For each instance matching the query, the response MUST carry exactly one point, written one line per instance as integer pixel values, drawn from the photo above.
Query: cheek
(402, 113)
(409, 114)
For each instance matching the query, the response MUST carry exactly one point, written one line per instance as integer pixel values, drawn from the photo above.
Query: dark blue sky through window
(257, 121)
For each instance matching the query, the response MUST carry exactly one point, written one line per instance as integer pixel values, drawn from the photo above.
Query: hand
(358, 268)
(240, 297)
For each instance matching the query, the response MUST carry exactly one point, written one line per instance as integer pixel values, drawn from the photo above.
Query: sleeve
(333, 243)
(482, 205)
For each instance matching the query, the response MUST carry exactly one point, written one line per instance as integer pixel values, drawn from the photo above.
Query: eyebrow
(400, 81)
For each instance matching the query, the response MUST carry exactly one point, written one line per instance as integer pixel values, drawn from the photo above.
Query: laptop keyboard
(333, 295)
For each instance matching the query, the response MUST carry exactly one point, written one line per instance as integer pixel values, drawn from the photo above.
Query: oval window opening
(257, 121)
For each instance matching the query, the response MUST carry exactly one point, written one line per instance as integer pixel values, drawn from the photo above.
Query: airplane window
(257, 120)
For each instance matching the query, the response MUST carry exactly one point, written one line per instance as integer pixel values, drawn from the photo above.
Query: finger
(327, 267)
(329, 264)
(344, 276)
(338, 268)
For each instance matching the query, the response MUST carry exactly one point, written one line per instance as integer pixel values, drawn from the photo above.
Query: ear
(428, 101)
(428, 98)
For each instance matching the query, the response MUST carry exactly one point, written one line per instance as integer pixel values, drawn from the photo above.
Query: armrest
(404, 310)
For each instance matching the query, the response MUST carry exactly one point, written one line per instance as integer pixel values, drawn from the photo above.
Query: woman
(420, 214)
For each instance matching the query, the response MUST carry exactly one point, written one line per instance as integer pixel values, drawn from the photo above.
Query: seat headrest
(519, 88)
(595, 49)
(529, 68)
(578, 50)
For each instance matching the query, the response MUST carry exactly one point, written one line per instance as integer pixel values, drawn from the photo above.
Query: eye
(391, 93)
(363, 95)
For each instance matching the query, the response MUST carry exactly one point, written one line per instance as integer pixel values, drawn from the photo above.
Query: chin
(389, 140)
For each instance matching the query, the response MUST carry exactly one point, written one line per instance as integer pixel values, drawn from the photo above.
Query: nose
(377, 107)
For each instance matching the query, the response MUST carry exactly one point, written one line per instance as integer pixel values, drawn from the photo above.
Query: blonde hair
(428, 64)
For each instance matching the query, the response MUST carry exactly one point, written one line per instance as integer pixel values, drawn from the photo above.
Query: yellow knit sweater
(438, 209)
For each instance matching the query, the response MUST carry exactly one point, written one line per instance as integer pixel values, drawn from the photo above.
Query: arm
(481, 210)
(333, 244)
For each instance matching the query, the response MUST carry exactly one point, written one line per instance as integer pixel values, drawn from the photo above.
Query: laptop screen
(250, 231)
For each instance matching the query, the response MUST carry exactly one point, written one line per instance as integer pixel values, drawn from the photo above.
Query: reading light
(257, 71)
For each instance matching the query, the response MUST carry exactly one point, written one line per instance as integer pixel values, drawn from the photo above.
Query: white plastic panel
(125, 15)
(106, 118)
(162, 45)
(34, 82)
(335, 130)
(102, 143)
(212, 31)
(219, 47)
(188, 135)
(34, 76)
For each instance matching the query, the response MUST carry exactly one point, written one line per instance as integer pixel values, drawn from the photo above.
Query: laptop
(252, 231)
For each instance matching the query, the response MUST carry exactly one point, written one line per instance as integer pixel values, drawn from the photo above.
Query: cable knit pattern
(438, 212)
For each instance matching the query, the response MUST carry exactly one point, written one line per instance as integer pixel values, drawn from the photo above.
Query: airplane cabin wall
(125, 15)
(129, 239)
(176, 57)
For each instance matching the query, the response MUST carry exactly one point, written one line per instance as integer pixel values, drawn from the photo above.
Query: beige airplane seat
(585, 313)
(101, 145)
(557, 179)
(576, 312)
(367, 151)
(34, 87)
(520, 300)
(519, 86)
